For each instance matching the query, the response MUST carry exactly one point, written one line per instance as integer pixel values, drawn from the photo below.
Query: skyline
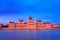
(47, 10)
(30, 25)
(25, 20)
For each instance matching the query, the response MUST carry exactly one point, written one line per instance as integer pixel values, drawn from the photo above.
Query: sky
(45, 10)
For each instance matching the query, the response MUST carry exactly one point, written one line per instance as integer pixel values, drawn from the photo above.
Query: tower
(11, 25)
(30, 23)
(30, 19)
(48, 25)
(39, 24)
(21, 23)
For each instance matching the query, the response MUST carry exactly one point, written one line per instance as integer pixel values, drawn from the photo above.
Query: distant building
(1, 25)
(56, 25)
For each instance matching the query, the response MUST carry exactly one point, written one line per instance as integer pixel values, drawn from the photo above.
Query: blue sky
(45, 10)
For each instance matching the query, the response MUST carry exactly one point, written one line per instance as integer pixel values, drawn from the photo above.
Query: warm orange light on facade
(31, 25)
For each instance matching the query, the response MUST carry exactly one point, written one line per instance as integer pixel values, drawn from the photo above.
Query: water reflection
(30, 35)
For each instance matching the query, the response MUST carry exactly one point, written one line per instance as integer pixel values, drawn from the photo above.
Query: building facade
(1, 26)
(30, 25)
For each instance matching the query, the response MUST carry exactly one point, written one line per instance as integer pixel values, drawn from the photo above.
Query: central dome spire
(30, 18)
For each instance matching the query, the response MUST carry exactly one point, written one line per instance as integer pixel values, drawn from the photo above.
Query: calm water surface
(30, 35)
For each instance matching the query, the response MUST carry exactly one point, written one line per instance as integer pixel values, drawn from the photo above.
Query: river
(30, 35)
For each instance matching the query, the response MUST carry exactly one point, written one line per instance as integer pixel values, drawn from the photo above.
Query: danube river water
(30, 35)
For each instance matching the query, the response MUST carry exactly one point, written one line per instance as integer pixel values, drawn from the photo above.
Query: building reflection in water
(21, 35)
(30, 35)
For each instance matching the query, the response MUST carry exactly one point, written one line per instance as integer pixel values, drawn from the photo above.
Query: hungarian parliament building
(29, 25)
